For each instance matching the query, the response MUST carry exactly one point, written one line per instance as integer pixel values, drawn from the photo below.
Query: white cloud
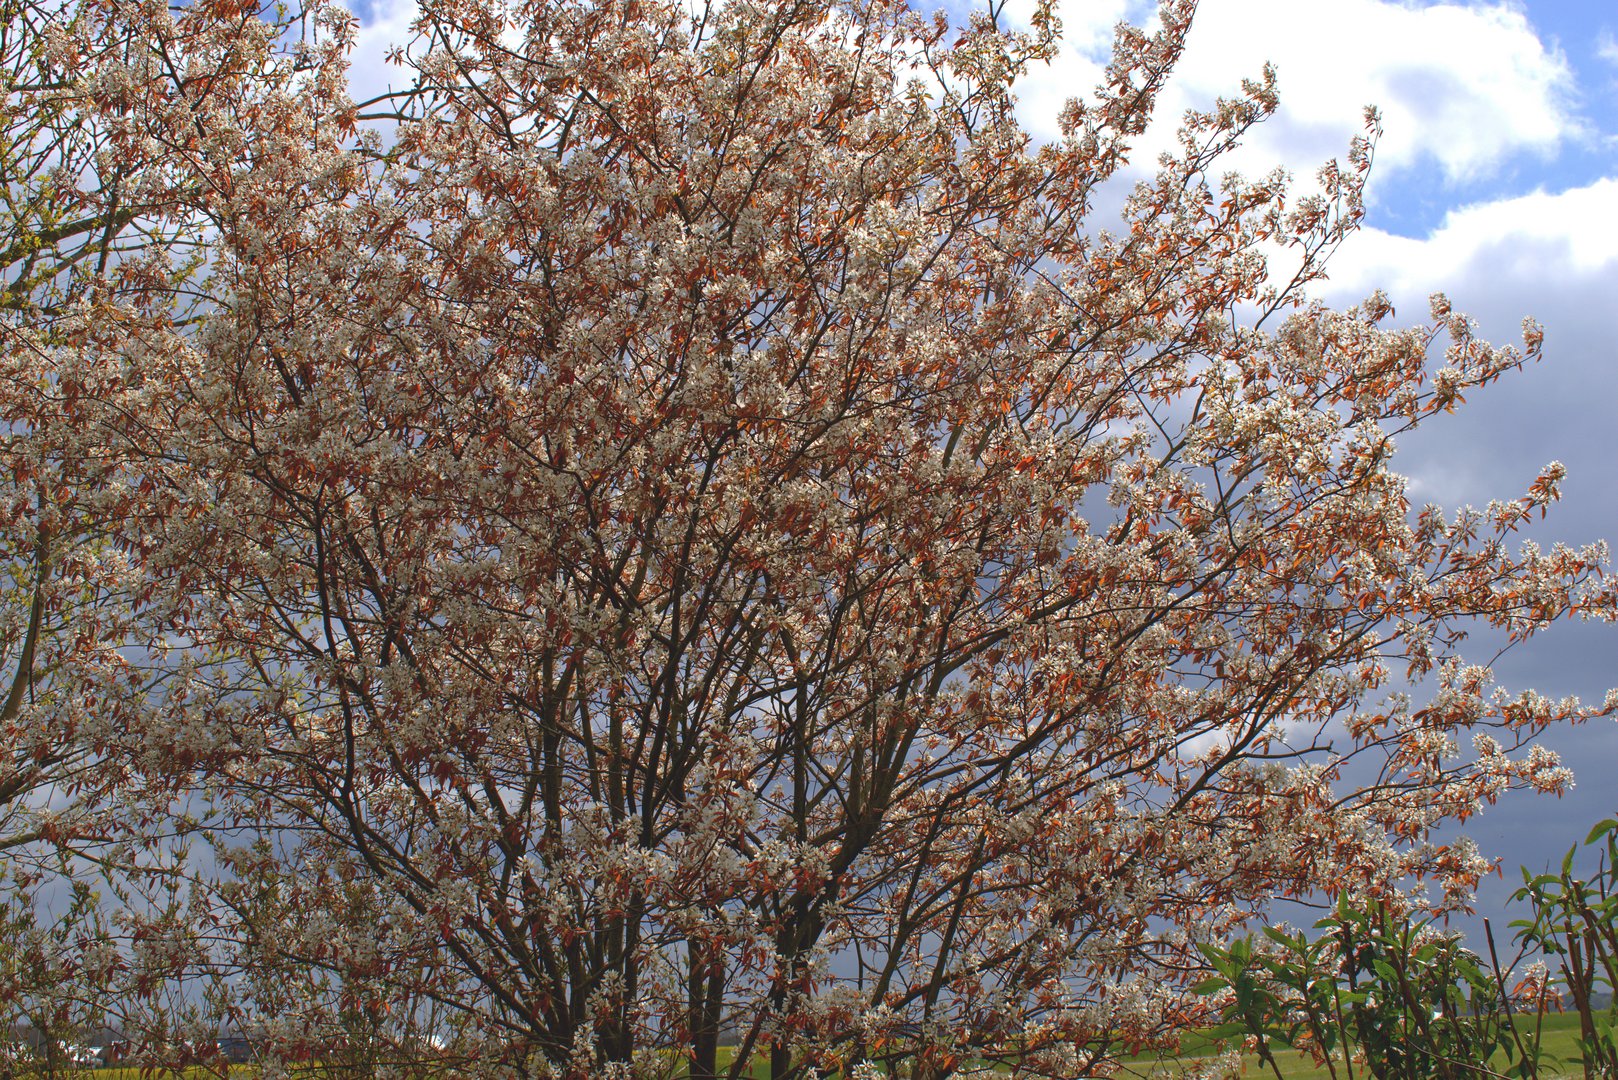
(1607, 47)
(1540, 237)
(1464, 86)
(384, 27)
(1087, 25)
(1551, 255)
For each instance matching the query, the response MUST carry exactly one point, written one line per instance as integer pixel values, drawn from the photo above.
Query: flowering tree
(69, 212)
(65, 216)
(679, 528)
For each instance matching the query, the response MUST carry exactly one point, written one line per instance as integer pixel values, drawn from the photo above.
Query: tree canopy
(687, 526)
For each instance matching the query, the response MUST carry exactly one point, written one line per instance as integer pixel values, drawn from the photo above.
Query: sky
(1496, 181)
